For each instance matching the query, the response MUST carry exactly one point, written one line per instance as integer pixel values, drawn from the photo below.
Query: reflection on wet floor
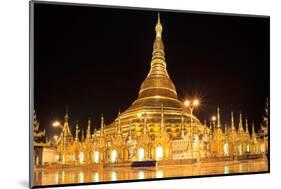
(81, 175)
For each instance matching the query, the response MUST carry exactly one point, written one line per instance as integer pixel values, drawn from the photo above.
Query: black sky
(94, 60)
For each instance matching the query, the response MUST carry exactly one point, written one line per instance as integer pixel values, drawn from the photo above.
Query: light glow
(187, 103)
(139, 114)
(226, 149)
(81, 157)
(56, 124)
(141, 154)
(113, 156)
(96, 157)
(196, 102)
(159, 152)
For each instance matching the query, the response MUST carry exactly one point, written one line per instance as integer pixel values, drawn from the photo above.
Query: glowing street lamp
(196, 102)
(57, 124)
(191, 105)
(214, 118)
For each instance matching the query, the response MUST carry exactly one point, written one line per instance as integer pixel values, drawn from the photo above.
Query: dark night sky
(94, 60)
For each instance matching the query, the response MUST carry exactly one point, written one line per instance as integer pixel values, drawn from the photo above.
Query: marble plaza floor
(86, 175)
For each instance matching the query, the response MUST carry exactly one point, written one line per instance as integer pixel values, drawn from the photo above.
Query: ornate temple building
(157, 126)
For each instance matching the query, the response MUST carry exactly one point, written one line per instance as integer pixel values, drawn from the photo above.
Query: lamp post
(191, 105)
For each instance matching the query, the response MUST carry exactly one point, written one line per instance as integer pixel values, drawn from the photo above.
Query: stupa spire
(158, 55)
(246, 123)
(66, 130)
(66, 114)
(77, 132)
(88, 134)
(158, 27)
(240, 123)
(218, 117)
(102, 125)
(232, 122)
(157, 83)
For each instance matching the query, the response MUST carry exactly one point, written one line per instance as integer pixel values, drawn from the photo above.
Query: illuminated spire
(158, 83)
(158, 64)
(240, 128)
(66, 130)
(66, 114)
(232, 122)
(77, 132)
(162, 118)
(88, 135)
(246, 122)
(102, 125)
(158, 27)
(218, 117)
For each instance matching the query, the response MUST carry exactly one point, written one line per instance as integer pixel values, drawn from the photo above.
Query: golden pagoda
(156, 115)
(157, 94)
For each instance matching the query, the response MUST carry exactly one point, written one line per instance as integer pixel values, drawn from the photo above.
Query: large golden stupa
(156, 92)
(157, 126)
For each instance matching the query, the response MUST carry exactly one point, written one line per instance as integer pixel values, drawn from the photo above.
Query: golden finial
(88, 134)
(240, 122)
(246, 123)
(77, 132)
(66, 114)
(218, 117)
(102, 124)
(232, 121)
(158, 27)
